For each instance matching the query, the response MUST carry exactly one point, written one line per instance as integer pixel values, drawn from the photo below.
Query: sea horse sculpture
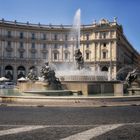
(32, 76)
(131, 76)
(49, 76)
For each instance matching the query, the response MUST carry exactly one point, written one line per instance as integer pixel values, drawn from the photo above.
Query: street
(69, 123)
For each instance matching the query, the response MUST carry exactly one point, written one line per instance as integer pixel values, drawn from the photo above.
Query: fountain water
(80, 73)
(76, 27)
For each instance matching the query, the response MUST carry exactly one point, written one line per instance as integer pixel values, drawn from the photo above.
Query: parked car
(7, 85)
(2, 86)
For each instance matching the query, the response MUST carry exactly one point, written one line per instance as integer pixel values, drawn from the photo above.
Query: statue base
(134, 89)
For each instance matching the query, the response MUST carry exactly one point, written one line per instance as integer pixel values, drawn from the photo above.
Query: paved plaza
(70, 123)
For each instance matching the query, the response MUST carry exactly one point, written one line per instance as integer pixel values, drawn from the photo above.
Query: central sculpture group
(79, 59)
(48, 74)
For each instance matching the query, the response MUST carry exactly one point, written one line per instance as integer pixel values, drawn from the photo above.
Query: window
(33, 55)
(21, 55)
(9, 43)
(44, 55)
(55, 46)
(66, 37)
(9, 34)
(112, 34)
(33, 45)
(100, 35)
(55, 37)
(104, 44)
(96, 35)
(44, 46)
(104, 68)
(33, 36)
(87, 36)
(9, 54)
(87, 56)
(104, 55)
(21, 35)
(96, 44)
(87, 45)
(55, 56)
(66, 56)
(66, 45)
(21, 44)
(44, 36)
(104, 35)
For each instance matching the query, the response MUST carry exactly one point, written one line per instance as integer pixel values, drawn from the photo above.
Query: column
(95, 57)
(2, 71)
(50, 53)
(110, 51)
(27, 45)
(99, 51)
(14, 73)
(110, 56)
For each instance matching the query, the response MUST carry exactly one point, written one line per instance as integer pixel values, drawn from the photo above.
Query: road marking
(19, 130)
(85, 135)
(91, 133)
(12, 125)
(65, 125)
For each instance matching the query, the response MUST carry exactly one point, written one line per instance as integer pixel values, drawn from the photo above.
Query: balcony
(33, 50)
(21, 49)
(44, 50)
(9, 49)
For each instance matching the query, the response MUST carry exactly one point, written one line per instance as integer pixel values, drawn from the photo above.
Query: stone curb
(69, 101)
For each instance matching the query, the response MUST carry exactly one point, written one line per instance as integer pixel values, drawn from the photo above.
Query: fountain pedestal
(29, 85)
(134, 89)
(118, 89)
(95, 87)
(41, 88)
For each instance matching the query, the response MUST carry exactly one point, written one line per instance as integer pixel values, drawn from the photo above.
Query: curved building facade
(24, 45)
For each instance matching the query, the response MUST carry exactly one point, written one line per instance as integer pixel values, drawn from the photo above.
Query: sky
(59, 12)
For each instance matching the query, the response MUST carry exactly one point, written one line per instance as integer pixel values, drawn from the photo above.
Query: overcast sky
(62, 12)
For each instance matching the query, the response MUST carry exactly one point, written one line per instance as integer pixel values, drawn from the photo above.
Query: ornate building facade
(24, 45)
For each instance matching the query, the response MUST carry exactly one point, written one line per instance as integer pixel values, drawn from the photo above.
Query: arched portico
(21, 72)
(104, 68)
(9, 72)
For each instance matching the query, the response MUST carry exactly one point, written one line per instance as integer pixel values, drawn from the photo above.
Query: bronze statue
(49, 76)
(32, 76)
(79, 59)
(131, 76)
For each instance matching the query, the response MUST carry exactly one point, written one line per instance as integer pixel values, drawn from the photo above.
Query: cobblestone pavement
(68, 123)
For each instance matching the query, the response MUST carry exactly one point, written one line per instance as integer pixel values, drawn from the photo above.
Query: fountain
(77, 80)
(50, 85)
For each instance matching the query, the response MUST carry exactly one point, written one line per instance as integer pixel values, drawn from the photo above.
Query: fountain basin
(114, 88)
(55, 92)
(74, 88)
(41, 88)
(134, 91)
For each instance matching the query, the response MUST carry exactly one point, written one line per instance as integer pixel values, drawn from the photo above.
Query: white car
(7, 85)
(2, 86)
